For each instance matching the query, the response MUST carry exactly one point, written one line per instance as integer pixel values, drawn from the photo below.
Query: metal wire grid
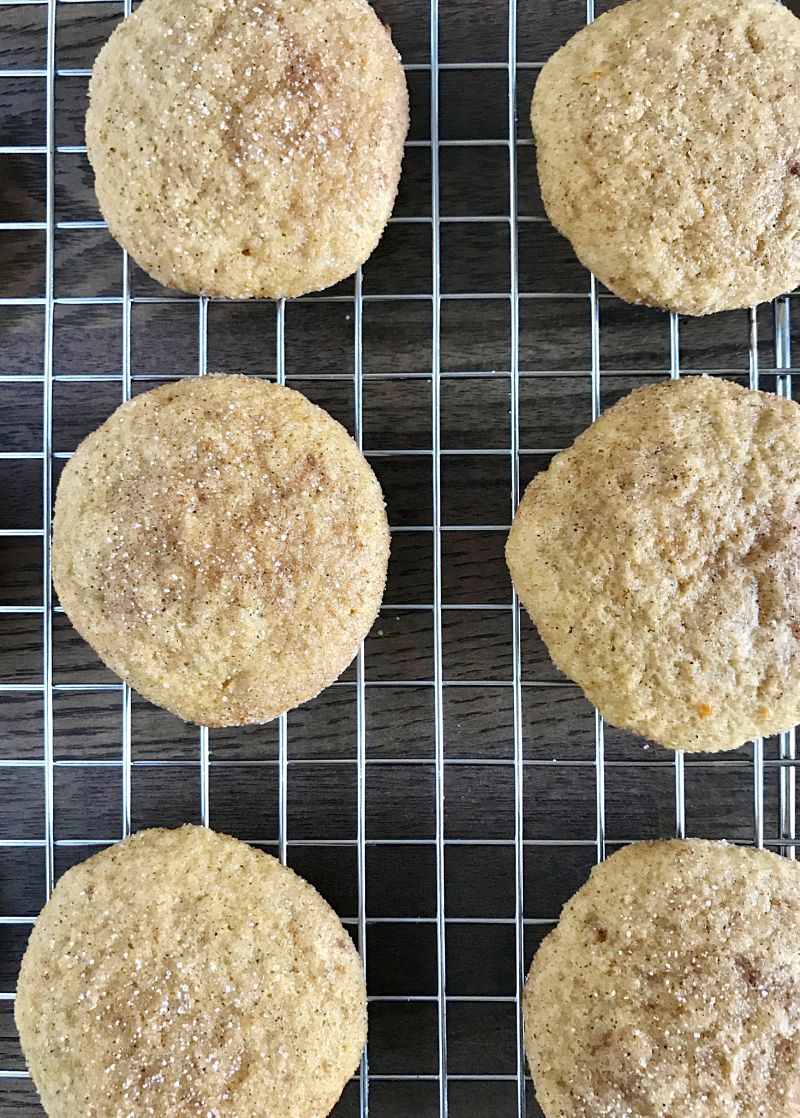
(783, 370)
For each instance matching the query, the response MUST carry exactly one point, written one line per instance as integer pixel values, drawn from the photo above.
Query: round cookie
(184, 973)
(671, 988)
(248, 149)
(222, 544)
(659, 558)
(669, 151)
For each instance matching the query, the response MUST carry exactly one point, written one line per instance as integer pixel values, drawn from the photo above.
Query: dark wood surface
(475, 348)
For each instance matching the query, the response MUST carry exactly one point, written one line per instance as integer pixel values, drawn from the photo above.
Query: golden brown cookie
(183, 973)
(248, 149)
(669, 151)
(671, 988)
(660, 559)
(222, 544)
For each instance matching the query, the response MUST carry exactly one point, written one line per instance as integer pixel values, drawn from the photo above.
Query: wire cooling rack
(452, 790)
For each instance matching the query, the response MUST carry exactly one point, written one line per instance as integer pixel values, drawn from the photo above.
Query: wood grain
(474, 348)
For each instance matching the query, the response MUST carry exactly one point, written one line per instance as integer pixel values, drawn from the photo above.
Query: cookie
(222, 544)
(669, 151)
(248, 149)
(184, 973)
(671, 988)
(659, 558)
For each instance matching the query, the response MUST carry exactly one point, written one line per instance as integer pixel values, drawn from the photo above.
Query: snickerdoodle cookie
(184, 973)
(222, 544)
(245, 148)
(669, 151)
(660, 559)
(671, 988)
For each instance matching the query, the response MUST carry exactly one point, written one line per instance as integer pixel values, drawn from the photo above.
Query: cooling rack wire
(450, 1041)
